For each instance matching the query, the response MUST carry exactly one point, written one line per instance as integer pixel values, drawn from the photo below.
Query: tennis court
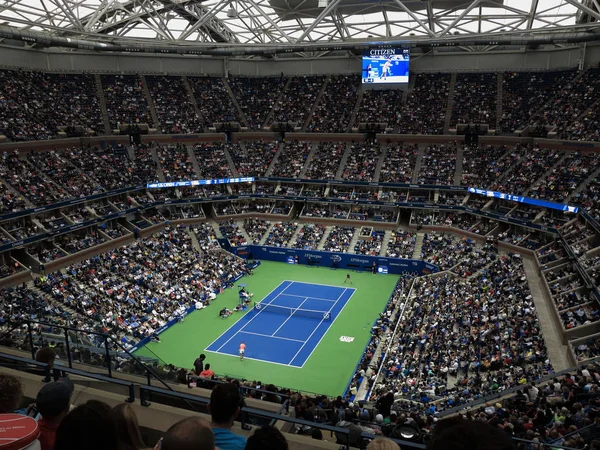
(325, 361)
(287, 325)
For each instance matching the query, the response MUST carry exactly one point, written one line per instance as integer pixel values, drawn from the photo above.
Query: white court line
(330, 325)
(255, 316)
(289, 317)
(270, 336)
(319, 284)
(312, 298)
(317, 327)
(227, 330)
(254, 359)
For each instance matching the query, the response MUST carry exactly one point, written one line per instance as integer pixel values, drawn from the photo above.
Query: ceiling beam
(330, 7)
(466, 11)
(415, 18)
(585, 9)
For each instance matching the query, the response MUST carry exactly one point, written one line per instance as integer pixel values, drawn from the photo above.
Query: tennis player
(348, 279)
(242, 349)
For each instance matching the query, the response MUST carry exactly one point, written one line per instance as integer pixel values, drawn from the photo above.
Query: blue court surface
(287, 325)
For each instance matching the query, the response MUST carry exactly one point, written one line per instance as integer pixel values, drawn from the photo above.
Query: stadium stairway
(159, 170)
(418, 246)
(354, 240)
(314, 105)
(229, 159)
(194, 240)
(150, 102)
(266, 235)
(382, 156)
(192, 97)
(269, 171)
(359, 98)
(386, 241)
(459, 165)
(557, 350)
(418, 163)
(325, 237)
(269, 119)
(546, 173)
(236, 103)
(309, 158)
(450, 105)
(14, 192)
(583, 185)
(499, 97)
(240, 224)
(343, 162)
(195, 165)
(102, 102)
(213, 223)
(292, 240)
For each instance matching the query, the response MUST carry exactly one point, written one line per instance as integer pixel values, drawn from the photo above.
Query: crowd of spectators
(453, 346)
(425, 108)
(33, 105)
(309, 236)
(399, 164)
(483, 165)
(370, 245)
(585, 128)
(564, 178)
(176, 162)
(332, 113)
(380, 106)
(532, 164)
(213, 100)
(256, 229)
(326, 161)
(362, 162)
(253, 158)
(438, 164)
(133, 290)
(338, 239)
(401, 244)
(525, 93)
(298, 99)
(571, 102)
(257, 97)
(445, 250)
(475, 99)
(174, 109)
(232, 232)
(68, 180)
(281, 233)
(125, 100)
(291, 159)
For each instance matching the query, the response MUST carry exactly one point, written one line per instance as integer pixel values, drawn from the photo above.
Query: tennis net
(288, 311)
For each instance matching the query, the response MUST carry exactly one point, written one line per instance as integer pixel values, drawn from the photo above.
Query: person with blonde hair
(382, 444)
(128, 430)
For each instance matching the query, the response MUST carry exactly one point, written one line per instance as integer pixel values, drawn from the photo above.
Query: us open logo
(346, 338)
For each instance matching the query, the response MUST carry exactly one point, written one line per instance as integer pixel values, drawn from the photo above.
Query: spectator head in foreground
(128, 430)
(462, 434)
(224, 407)
(193, 433)
(53, 402)
(89, 426)
(11, 393)
(267, 437)
(382, 444)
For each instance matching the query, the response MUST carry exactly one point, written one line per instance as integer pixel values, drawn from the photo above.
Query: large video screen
(389, 65)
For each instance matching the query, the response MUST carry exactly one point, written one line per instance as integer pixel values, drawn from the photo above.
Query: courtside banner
(347, 261)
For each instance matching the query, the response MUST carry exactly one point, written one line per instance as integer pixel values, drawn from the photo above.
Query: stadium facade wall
(439, 60)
